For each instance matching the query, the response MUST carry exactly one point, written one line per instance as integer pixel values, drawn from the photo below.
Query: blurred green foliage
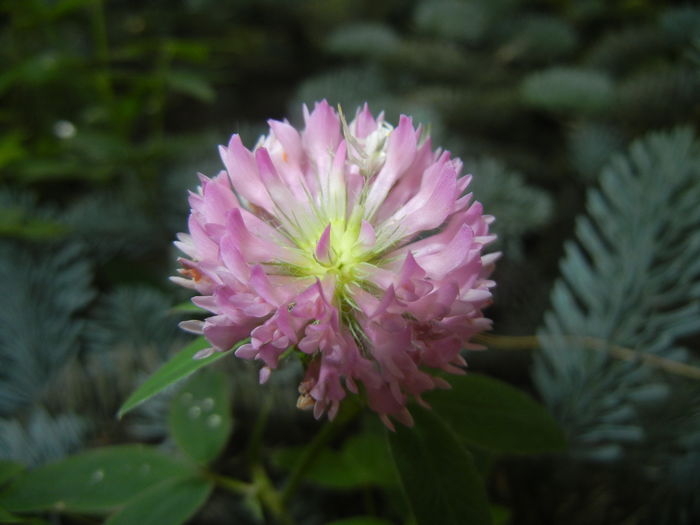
(108, 108)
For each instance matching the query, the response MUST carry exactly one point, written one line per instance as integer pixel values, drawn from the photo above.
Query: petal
(450, 256)
(293, 211)
(364, 123)
(429, 208)
(206, 248)
(367, 237)
(217, 199)
(322, 133)
(193, 326)
(290, 140)
(408, 185)
(223, 334)
(261, 285)
(243, 173)
(401, 150)
(233, 259)
(323, 248)
(255, 249)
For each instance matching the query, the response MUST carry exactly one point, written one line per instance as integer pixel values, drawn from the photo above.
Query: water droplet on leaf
(97, 476)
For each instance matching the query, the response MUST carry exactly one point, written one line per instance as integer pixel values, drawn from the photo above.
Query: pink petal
(450, 256)
(322, 133)
(256, 250)
(401, 151)
(261, 285)
(243, 173)
(323, 247)
(408, 185)
(289, 139)
(429, 208)
(367, 237)
(233, 259)
(364, 123)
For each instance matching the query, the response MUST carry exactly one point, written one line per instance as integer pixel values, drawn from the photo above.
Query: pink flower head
(353, 243)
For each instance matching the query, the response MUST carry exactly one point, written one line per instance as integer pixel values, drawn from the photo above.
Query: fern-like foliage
(111, 226)
(132, 318)
(632, 279)
(41, 437)
(41, 294)
(130, 333)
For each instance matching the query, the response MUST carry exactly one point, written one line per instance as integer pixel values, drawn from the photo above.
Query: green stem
(310, 454)
(270, 497)
(233, 485)
(253, 449)
(529, 342)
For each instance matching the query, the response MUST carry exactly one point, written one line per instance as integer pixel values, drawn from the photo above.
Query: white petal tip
(204, 353)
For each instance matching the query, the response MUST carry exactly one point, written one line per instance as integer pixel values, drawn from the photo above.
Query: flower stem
(346, 414)
(253, 449)
(528, 342)
(270, 497)
(232, 485)
(261, 489)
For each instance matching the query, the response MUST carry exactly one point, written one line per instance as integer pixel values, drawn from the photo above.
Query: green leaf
(494, 415)
(438, 474)
(95, 481)
(200, 416)
(172, 502)
(180, 366)
(8, 470)
(6, 517)
(361, 462)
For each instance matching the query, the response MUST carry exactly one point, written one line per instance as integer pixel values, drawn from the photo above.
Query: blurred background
(109, 108)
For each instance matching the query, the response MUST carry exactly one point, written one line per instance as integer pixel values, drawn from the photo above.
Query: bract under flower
(354, 243)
